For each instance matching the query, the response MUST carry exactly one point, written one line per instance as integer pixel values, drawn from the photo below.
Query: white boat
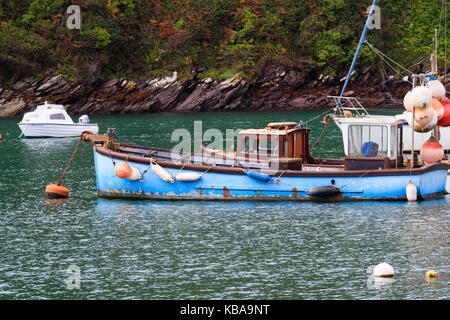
(52, 121)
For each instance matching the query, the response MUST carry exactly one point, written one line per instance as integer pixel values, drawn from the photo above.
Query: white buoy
(421, 97)
(407, 102)
(437, 88)
(135, 174)
(187, 176)
(383, 270)
(162, 173)
(411, 192)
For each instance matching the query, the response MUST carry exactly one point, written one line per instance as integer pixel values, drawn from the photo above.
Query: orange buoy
(0, 137)
(122, 170)
(348, 114)
(432, 151)
(438, 107)
(54, 191)
(424, 116)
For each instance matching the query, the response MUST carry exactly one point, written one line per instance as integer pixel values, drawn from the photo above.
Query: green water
(190, 250)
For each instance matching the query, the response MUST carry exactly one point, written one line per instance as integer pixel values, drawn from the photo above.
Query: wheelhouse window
(57, 116)
(263, 145)
(268, 146)
(368, 141)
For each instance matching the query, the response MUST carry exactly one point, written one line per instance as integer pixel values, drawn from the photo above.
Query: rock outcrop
(277, 89)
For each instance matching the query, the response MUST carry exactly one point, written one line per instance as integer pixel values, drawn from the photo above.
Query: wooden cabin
(283, 142)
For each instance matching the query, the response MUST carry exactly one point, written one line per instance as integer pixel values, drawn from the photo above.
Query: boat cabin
(47, 113)
(372, 143)
(283, 142)
(369, 143)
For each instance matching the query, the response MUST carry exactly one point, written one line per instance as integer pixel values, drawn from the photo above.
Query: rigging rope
(384, 57)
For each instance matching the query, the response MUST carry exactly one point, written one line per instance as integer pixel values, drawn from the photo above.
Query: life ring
(325, 120)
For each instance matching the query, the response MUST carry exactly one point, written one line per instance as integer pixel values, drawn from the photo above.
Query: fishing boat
(274, 164)
(427, 115)
(270, 164)
(52, 121)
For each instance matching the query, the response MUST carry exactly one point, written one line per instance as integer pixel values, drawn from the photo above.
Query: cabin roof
(371, 120)
(46, 107)
(268, 131)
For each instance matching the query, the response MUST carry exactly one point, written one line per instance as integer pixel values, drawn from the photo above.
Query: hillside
(139, 40)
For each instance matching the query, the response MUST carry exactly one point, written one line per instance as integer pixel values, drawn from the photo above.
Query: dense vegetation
(216, 38)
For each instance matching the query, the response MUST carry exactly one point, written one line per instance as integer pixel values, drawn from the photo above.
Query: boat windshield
(368, 141)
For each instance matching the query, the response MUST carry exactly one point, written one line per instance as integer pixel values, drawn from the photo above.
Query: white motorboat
(52, 121)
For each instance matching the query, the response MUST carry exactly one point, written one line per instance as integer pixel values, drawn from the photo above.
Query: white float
(421, 97)
(162, 173)
(437, 88)
(135, 174)
(187, 176)
(411, 192)
(383, 270)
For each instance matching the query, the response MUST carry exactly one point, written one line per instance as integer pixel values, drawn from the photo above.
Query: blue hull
(224, 186)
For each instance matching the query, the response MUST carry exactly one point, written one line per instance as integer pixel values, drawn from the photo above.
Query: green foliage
(216, 38)
(97, 37)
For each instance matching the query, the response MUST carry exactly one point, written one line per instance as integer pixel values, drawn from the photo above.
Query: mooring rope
(69, 163)
(11, 139)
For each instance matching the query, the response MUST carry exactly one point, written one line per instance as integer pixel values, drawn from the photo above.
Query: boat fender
(323, 192)
(187, 176)
(259, 176)
(411, 192)
(122, 170)
(135, 174)
(162, 173)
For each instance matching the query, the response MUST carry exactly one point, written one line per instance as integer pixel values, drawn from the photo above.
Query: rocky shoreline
(278, 89)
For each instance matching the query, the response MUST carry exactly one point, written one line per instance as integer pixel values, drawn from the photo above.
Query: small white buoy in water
(411, 191)
(383, 270)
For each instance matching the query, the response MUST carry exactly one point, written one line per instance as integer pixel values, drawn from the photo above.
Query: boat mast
(361, 42)
(434, 70)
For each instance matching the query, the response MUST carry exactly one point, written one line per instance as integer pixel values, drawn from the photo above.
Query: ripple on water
(183, 250)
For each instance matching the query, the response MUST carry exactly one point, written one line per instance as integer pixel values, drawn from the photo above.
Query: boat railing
(350, 104)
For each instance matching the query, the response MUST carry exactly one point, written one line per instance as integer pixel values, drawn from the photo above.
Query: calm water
(189, 250)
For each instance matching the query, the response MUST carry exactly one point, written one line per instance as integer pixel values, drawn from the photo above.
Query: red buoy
(432, 151)
(54, 191)
(445, 120)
